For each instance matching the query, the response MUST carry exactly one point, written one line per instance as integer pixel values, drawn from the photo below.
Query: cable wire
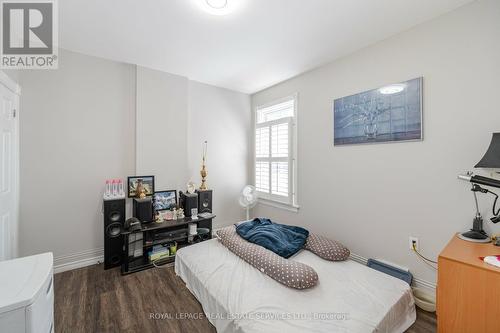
(416, 251)
(495, 212)
(426, 260)
(158, 262)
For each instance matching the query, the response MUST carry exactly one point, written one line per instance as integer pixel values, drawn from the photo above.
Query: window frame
(289, 203)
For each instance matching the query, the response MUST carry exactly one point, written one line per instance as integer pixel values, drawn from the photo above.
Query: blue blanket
(284, 240)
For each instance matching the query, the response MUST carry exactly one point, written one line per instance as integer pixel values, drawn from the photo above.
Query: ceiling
(260, 43)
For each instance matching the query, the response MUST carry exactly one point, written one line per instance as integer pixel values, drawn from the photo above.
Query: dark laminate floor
(93, 300)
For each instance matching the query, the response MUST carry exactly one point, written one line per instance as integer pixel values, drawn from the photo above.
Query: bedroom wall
(372, 197)
(94, 119)
(77, 128)
(222, 117)
(161, 123)
(174, 117)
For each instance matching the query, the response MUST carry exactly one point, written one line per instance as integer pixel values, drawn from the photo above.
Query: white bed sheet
(349, 297)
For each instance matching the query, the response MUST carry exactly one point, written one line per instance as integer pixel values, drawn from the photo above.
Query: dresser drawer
(468, 289)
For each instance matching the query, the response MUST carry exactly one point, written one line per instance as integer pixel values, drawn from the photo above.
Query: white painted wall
(174, 117)
(222, 117)
(94, 119)
(372, 197)
(161, 122)
(76, 130)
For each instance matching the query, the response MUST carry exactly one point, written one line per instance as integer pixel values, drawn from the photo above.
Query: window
(275, 150)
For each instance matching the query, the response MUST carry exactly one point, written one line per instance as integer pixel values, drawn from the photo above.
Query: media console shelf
(161, 233)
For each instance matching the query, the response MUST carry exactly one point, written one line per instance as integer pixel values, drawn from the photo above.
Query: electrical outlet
(413, 240)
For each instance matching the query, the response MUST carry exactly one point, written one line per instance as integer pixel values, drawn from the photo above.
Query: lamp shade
(491, 160)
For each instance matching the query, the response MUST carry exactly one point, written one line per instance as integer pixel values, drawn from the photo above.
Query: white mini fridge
(27, 295)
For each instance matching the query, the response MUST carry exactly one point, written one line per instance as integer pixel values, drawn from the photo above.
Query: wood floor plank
(91, 300)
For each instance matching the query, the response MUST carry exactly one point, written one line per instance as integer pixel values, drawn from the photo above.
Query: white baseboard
(78, 260)
(429, 286)
(358, 258)
(417, 282)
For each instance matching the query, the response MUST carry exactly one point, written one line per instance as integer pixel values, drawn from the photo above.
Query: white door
(9, 166)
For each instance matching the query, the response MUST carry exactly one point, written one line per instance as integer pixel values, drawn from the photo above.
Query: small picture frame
(165, 200)
(145, 184)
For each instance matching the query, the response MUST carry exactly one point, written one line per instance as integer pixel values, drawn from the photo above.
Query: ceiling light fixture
(392, 89)
(217, 4)
(219, 7)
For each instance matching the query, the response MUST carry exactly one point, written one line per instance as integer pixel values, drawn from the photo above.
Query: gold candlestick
(203, 171)
(203, 174)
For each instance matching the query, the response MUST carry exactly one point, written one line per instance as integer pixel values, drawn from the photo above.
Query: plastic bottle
(114, 187)
(121, 193)
(107, 189)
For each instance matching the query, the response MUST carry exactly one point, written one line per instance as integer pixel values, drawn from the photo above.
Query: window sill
(280, 205)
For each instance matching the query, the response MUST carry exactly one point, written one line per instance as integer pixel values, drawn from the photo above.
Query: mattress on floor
(349, 297)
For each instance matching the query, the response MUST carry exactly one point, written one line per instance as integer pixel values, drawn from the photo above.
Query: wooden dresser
(468, 290)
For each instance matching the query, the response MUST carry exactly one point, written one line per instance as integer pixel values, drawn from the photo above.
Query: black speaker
(188, 202)
(143, 209)
(114, 218)
(204, 201)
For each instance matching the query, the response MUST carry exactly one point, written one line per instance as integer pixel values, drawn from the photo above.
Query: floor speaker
(188, 202)
(204, 201)
(143, 209)
(114, 218)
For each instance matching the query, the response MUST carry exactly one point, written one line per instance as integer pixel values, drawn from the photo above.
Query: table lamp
(491, 160)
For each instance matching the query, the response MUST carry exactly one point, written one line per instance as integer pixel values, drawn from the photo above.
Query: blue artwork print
(390, 113)
(165, 200)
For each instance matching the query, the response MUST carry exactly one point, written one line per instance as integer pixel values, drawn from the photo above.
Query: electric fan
(248, 198)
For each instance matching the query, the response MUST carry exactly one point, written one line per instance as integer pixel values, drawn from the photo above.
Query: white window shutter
(279, 178)
(279, 140)
(274, 151)
(262, 176)
(262, 142)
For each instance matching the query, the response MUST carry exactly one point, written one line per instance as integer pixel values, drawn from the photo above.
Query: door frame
(11, 85)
